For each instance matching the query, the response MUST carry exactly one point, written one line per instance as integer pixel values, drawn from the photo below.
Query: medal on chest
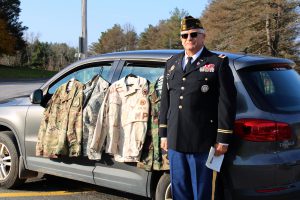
(204, 88)
(207, 68)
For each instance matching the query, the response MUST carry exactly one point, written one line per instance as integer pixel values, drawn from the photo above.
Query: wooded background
(265, 27)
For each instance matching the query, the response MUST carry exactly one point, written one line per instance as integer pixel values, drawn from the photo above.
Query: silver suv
(264, 158)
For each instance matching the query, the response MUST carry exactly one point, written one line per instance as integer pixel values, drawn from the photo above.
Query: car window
(83, 75)
(274, 89)
(150, 71)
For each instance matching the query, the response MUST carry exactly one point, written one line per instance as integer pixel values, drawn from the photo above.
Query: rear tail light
(259, 130)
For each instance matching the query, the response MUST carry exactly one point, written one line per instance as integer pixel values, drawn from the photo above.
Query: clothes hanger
(70, 84)
(129, 75)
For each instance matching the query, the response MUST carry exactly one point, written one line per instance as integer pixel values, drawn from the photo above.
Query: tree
(116, 39)
(268, 27)
(61, 56)
(170, 30)
(41, 55)
(111, 40)
(165, 35)
(130, 37)
(148, 38)
(6, 39)
(11, 30)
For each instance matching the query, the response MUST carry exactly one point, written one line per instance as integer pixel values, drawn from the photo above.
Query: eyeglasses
(192, 35)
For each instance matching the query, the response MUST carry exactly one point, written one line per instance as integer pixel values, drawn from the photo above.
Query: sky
(60, 20)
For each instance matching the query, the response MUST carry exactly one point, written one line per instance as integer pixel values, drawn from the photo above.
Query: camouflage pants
(153, 158)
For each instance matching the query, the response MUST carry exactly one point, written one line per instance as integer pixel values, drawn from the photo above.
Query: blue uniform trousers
(190, 178)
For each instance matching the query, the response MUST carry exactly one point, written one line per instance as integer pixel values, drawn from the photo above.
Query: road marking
(38, 194)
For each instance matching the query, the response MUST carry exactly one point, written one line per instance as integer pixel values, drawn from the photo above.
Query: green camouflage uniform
(60, 133)
(153, 158)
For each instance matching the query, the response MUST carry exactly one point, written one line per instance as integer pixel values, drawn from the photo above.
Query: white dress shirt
(194, 57)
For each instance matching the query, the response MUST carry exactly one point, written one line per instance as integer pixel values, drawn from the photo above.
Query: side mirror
(36, 96)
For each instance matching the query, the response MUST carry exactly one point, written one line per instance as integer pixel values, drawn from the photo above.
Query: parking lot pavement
(55, 188)
(13, 88)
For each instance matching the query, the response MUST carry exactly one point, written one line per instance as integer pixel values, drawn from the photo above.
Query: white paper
(214, 162)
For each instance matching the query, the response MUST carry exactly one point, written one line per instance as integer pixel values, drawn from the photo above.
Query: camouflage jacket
(152, 156)
(88, 89)
(123, 119)
(94, 92)
(60, 131)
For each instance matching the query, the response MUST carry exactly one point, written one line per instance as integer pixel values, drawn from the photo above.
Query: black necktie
(188, 66)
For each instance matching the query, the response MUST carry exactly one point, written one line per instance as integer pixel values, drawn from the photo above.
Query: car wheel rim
(5, 162)
(168, 194)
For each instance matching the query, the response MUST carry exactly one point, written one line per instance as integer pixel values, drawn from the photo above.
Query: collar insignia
(172, 68)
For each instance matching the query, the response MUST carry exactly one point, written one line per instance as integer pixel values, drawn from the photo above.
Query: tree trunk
(268, 32)
(277, 30)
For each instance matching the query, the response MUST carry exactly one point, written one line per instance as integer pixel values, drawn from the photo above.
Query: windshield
(274, 89)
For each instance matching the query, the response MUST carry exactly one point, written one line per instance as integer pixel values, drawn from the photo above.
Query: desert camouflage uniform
(123, 120)
(60, 132)
(152, 156)
(94, 93)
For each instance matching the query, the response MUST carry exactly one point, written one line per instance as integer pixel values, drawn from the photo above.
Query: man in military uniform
(197, 111)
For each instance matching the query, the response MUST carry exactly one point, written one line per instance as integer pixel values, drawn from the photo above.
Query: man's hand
(220, 149)
(164, 144)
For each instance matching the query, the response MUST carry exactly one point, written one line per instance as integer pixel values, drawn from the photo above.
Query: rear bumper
(261, 176)
(291, 192)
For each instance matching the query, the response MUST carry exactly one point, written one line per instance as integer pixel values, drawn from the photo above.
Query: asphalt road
(53, 188)
(13, 88)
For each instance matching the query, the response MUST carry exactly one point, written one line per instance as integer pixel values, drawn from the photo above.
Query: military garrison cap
(189, 22)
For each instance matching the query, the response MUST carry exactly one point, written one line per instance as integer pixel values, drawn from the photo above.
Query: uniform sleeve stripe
(163, 126)
(225, 131)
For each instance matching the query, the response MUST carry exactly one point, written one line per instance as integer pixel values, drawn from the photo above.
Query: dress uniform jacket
(60, 133)
(123, 119)
(197, 106)
(94, 92)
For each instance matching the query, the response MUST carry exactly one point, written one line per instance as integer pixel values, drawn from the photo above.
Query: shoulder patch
(221, 56)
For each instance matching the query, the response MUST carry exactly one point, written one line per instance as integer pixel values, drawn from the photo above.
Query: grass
(23, 73)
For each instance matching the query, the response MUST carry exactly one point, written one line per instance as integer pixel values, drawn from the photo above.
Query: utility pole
(84, 28)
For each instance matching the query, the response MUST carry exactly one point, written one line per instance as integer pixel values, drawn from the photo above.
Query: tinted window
(83, 75)
(273, 89)
(150, 71)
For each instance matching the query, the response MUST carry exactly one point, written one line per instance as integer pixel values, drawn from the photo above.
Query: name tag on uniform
(207, 68)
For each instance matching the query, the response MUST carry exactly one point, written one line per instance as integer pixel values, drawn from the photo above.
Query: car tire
(163, 188)
(9, 161)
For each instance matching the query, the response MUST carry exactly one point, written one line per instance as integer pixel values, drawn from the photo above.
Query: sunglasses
(192, 35)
